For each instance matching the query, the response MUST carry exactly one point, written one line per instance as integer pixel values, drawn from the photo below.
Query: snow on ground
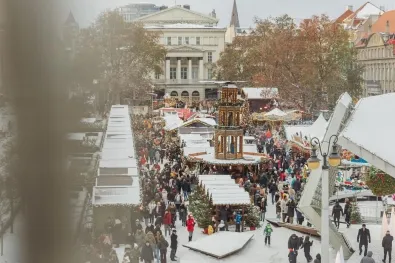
(254, 252)
(13, 242)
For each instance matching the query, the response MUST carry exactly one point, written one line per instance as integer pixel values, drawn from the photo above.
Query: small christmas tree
(252, 217)
(356, 217)
(200, 207)
(246, 120)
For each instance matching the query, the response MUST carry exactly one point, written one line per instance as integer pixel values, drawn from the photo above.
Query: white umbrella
(384, 225)
(392, 222)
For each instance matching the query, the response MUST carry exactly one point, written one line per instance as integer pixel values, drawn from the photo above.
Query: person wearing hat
(190, 226)
(363, 238)
(238, 219)
(268, 232)
(173, 244)
(292, 256)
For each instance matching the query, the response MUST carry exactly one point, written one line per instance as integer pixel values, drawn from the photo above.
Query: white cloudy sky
(86, 10)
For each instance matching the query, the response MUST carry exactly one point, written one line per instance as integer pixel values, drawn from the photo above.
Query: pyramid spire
(234, 21)
(70, 19)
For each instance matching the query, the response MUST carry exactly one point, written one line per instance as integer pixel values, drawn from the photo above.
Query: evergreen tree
(200, 207)
(252, 217)
(355, 213)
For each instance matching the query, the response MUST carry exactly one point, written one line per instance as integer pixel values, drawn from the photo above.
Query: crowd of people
(167, 183)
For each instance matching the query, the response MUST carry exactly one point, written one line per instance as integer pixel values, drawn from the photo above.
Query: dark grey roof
(70, 19)
(234, 21)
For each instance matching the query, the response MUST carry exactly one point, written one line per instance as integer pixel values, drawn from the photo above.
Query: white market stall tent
(370, 131)
(223, 190)
(117, 191)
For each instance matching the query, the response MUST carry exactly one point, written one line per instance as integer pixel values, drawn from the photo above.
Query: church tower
(229, 134)
(234, 20)
(70, 33)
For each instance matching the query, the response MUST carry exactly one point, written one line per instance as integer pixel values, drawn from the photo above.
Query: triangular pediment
(375, 40)
(177, 14)
(185, 49)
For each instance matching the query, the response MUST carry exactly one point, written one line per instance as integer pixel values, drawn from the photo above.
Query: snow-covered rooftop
(370, 132)
(276, 112)
(172, 122)
(103, 195)
(232, 196)
(118, 163)
(182, 26)
(260, 93)
(88, 120)
(114, 154)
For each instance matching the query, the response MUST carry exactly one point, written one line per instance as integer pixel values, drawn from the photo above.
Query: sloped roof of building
(365, 11)
(213, 19)
(381, 23)
(343, 16)
(70, 19)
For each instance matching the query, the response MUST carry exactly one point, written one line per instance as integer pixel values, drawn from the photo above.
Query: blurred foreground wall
(37, 85)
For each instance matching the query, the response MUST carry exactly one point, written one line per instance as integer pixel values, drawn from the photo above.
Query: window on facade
(210, 56)
(184, 73)
(179, 41)
(209, 73)
(157, 75)
(195, 73)
(198, 41)
(186, 40)
(173, 73)
(169, 41)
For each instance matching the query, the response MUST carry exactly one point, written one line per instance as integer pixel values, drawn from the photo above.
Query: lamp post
(313, 163)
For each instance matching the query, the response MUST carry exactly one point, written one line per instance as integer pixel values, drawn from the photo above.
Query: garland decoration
(380, 183)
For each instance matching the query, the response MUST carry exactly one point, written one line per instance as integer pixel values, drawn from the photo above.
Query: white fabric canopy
(370, 132)
(318, 128)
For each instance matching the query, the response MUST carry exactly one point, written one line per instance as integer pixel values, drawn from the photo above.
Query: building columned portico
(193, 43)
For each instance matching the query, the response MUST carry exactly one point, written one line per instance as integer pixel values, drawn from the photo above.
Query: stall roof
(114, 154)
(370, 131)
(118, 163)
(113, 195)
(231, 196)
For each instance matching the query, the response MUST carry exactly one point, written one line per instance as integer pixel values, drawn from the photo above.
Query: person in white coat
(284, 208)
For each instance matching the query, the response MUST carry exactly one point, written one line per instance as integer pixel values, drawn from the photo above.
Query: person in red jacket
(167, 221)
(190, 226)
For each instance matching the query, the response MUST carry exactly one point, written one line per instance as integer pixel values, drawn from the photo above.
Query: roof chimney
(187, 7)
(214, 14)
(387, 27)
(349, 7)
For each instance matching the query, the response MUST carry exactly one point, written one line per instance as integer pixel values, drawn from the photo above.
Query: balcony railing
(182, 81)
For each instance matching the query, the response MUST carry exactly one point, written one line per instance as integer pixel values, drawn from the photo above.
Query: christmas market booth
(299, 136)
(118, 202)
(216, 193)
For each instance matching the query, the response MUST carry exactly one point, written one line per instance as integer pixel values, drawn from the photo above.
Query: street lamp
(314, 163)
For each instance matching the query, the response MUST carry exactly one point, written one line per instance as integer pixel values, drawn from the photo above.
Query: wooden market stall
(223, 191)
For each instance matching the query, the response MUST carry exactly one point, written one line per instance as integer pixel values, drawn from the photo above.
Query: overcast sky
(86, 10)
